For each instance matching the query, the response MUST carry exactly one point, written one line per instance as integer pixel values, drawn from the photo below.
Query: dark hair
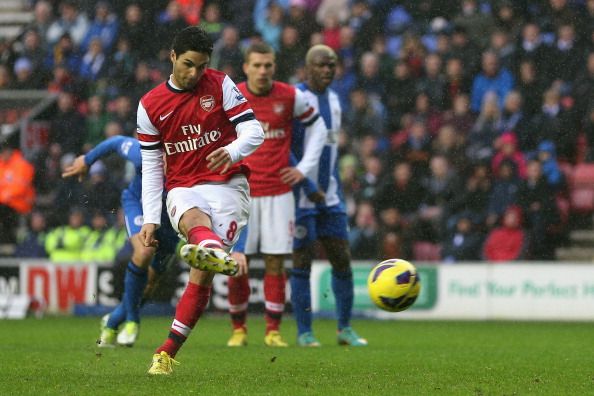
(192, 38)
(258, 48)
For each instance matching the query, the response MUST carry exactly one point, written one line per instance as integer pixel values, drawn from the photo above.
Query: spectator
(501, 44)
(433, 83)
(441, 186)
(212, 22)
(363, 119)
(460, 116)
(121, 69)
(474, 197)
(567, 56)
(537, 200)
(369, 78)
(507, 150)
(547, 156)
(70, 21)
(531, 87)
(512, 116)
(268, 17)
(491, 79)
(504, 193)
(64, 53)
(169, 22)
(478, 24)
(456, 82)
(109, 199)
(416, 150)
(556, 123)
(400, 93)
(34, 51)
(17, 194)
(464, 242)
(65, 243)
(401, 191)
(94, 62)
(42, 20)
(191, 10)
(584, 86)
(67, 127)
(426, 111)
(136, 29)
(227, 55)
(532, 49)
(509, 241)
(25, 78)
(451, 145)
(124, 114)
(394, 234)
(464, 49)
(291, 54)
(32, 244)
(96, 119)
(485, 130)
(104, 26)
(302, 19)
(369, 181)
(101, 245)
(363, 236)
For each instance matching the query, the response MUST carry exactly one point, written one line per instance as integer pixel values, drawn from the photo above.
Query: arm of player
(316, 134)
(82, 163)
(249, 131)
(309, 187)
(152, 176)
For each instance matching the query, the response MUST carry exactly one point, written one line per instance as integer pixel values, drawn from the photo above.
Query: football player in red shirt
(272, 208)
(200, 125)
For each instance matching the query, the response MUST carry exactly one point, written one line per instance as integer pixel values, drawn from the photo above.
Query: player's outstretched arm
(77, 168)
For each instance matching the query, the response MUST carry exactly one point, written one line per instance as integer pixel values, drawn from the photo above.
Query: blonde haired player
(272, 209)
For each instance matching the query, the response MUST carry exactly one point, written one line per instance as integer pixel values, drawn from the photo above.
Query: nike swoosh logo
(162, 117)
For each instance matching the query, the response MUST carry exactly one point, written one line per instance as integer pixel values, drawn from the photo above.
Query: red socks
(189, 309)
(239, 295)
(205, 237)
(274, 297)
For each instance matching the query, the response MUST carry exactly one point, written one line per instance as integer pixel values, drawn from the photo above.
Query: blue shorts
(322, 222)
(166, 236)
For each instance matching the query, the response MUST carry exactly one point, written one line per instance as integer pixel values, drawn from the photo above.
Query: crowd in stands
(459, 116)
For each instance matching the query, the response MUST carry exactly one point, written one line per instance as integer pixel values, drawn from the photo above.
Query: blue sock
(117, 316)
(301, 299)
(342, 286)
(134, 284)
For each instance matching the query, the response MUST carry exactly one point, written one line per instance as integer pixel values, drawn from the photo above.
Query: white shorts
(271, 225)
(227, 205)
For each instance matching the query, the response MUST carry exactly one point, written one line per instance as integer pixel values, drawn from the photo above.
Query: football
(394, 285)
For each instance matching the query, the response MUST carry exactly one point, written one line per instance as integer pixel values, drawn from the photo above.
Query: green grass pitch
(58, 356)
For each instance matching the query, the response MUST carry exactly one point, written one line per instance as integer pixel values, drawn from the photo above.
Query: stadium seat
(582, 200)
(426, 251)
(583, 176)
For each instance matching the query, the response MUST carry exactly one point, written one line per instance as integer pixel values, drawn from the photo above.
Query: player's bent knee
(274, 264)
(338, 253)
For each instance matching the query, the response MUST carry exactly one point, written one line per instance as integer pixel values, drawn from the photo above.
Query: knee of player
(274, 264)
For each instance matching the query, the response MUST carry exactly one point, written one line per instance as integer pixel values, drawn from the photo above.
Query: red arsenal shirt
(189, 124)
(275, 111)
